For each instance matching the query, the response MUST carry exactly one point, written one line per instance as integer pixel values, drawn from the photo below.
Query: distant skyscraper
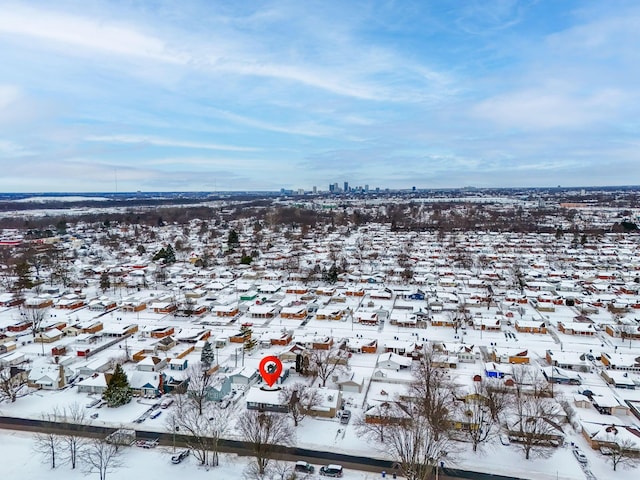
(346, 186)
(332, 187)
(315, 189)
(336, 189)
(366, 187)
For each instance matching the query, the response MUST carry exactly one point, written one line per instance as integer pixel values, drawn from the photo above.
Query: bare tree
(415, 447)
(13, 383)
(203, 431)
(480, 424)
(418, 431)
(47, 444)
(262, 431)
(497, 396)
(101, 457)
(435, 395)
(72, 441)
(200, 379)
(621, 451)
(535, 424)
(280, 471)
(301, 399)
(381, 416)
(35, 316)
(324, 363)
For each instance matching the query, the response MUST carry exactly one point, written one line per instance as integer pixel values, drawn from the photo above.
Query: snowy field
(19, 461)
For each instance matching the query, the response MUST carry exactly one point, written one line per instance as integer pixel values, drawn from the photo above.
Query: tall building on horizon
(346, 186)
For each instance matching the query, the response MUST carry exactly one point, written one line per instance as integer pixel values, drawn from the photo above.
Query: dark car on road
(331, 470)
(304, 467)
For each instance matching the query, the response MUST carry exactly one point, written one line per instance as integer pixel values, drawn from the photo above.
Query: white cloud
(12, 150)
(546, 109)
(8, 95)
(309, 129)
(85, 33)
(164, 142)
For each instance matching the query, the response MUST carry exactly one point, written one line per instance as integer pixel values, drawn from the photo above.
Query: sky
(217, 95)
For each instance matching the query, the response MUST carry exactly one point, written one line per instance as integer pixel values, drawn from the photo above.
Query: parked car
(93, 403)
(331, 470)
(345, 416)
(166, 403)
(180, 457)
(304, 467)
(580, 456)
(147, 443)
(94, 415)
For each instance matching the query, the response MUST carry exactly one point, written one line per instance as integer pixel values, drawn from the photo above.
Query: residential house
(266, 400)
(151, 364)
(362, 345)
(164, 307)
(178, 364)
(263, 311)
(295, 312)
(497, 370)
(614, 436)
(47, 377)
(509, 355)
(577, 328)
(388, 412)
(96, 383)
(568, 360)
(621, 361)
(329, 404)
(219, 388)
(166, 343)
(330, 313)
(530, 326)
(225, 310)
(146, 384)
(244, 376)
(561, 376)
(393, 361)
(352, 382)
(49, 336)
(621, 379)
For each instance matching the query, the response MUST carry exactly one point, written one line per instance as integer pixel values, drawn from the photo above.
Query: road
(229, 446)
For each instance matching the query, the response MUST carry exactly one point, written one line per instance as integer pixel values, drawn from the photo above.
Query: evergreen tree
(118, 391)
(170, 255)
(161, 254)
(22, 270)
(249, 342)
(105, 283)
(331, 276)
(208, 355)
(233, 239)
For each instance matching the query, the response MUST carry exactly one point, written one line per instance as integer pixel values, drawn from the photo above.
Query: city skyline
(221, 96)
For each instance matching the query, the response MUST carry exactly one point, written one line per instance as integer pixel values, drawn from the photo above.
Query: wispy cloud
(166, 142)
(291, 94)
(84, 33)
(546, 109)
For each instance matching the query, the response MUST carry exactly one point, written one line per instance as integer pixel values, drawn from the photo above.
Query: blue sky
(262, 95)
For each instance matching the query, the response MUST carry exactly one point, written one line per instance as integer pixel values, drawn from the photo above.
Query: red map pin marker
(270, 369)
